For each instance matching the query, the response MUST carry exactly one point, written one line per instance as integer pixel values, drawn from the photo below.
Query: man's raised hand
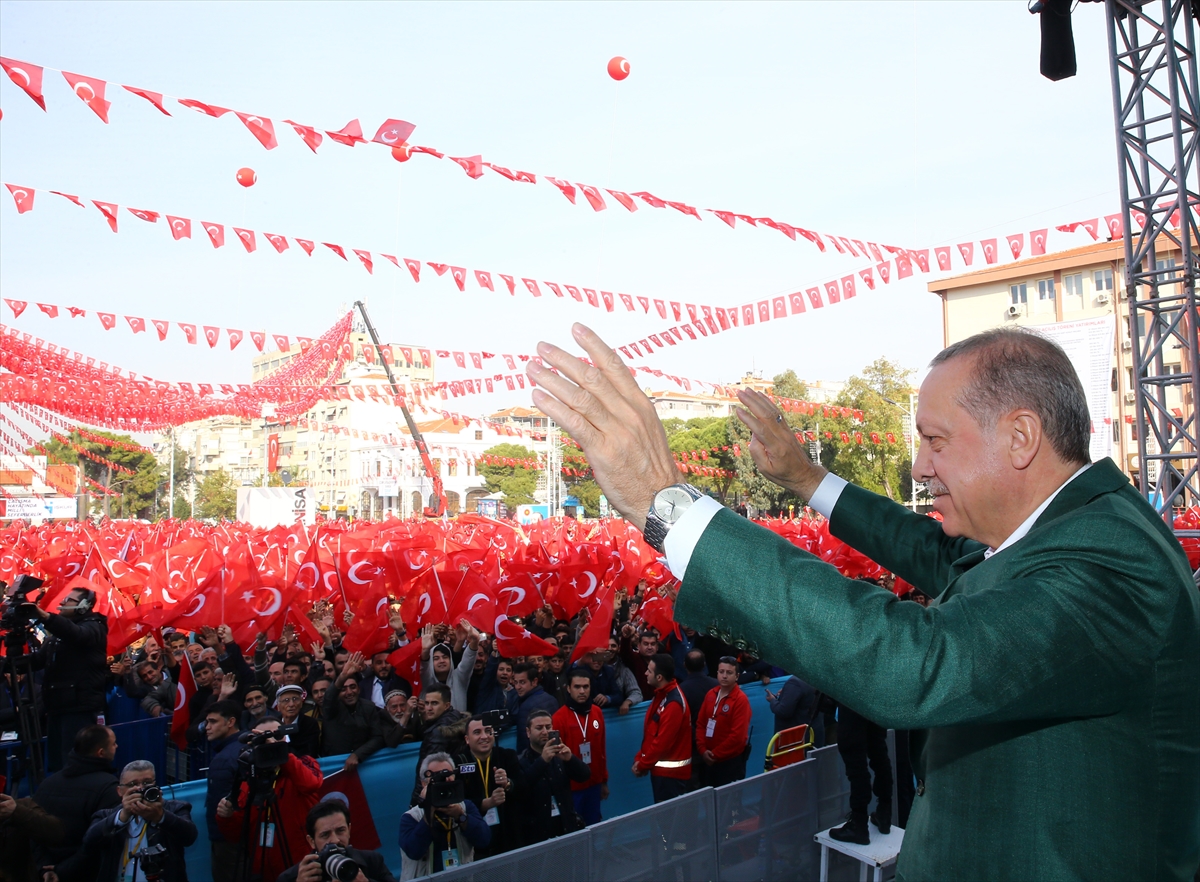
(776, 451)
(603, 409)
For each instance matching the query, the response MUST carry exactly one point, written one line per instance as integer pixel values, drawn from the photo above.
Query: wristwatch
(665, 511)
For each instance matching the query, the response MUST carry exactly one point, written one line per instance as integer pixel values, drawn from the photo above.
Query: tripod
(261, 795)
(17, 665)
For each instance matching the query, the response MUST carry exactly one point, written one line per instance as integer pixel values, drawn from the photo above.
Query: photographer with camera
(548, 767)
(328, 828)
(490, 774)
(75, 667)
(444, 828)
(273, 790)
(142, 840)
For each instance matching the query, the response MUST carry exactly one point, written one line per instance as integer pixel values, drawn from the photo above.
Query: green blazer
(1058, 681)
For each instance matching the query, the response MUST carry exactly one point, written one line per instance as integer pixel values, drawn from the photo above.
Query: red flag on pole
(184, 690)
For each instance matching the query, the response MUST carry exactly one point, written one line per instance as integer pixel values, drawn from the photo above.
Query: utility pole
(171, 479)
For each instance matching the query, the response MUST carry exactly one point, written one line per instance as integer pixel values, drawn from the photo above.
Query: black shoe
(882, 818)
(854, 830)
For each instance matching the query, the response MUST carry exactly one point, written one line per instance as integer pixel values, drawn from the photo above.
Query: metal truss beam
(1156, 105)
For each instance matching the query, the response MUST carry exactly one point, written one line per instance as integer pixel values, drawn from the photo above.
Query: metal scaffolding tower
(1156, 106)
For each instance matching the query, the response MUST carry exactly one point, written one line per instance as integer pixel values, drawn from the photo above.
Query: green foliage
(216, 497)
(137, 492)
(588, 492)
(764, 495)
(882, 468)
(517, 483)
(706, 434)
(183, 508)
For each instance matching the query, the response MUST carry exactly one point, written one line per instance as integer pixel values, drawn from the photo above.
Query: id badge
(710, 728)
(266, 835)
(585, 752)
(450, 858)
(492, 817)
(554, 812)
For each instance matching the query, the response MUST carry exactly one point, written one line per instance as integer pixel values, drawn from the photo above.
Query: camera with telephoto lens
(336, 863)
(495, 719)
(441, 791)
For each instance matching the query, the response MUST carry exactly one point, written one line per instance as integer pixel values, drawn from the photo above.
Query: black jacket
(345, 730)
(507, 834)
(222, 769)
(74, 659)
(694, 687)
(85, 786)
(106, 841)
(373, 865)
(542, 781)
(306, 741)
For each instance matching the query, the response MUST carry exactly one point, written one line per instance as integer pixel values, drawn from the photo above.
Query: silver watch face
(671, 502)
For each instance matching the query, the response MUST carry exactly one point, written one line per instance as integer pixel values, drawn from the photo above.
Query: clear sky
(909, 123)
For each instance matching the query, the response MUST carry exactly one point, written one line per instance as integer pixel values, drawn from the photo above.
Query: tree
(763, 494)
(217, 497)
(136, 491)
(883, 467)
(517, 483)
(708, 437)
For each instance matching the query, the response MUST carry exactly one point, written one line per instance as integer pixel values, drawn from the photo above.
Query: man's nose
(922, 469)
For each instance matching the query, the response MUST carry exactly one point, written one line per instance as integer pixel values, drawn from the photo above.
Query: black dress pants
(861, 742)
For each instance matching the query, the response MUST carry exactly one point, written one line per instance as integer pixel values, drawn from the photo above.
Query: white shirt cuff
(828, 492)
(686, 532)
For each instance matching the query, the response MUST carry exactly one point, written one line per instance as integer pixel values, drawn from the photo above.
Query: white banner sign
(30, 508)
(1089, 344)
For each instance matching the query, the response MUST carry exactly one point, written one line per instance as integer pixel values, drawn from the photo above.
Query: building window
(437, 466)
(452, 468)
(1103, 280)
(1046, 289)
(1073, 286)
(478, 434)
(1018, 293)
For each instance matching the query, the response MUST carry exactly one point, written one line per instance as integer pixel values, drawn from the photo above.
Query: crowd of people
(256, 719)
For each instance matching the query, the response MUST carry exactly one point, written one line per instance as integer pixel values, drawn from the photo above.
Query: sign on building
(1089, 345)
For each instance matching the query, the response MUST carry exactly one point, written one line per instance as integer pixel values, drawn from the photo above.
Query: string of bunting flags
(394, 134)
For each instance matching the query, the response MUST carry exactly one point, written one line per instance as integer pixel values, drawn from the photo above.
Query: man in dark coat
(548, 768)
(87, 785)
(24, 825)
(352, 725)
(76, 673)
(119, 836)
(221, 729)
(328, 823)
(490, 776)
(533, 698)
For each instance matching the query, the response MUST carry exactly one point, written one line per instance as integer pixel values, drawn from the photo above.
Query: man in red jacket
(667, 743)
(723, 728)
(581, 726)
(275, 833)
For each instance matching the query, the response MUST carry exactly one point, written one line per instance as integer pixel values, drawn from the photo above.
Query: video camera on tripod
(263, 754)
(17, 611)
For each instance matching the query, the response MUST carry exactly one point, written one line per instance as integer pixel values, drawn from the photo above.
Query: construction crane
(438, 489)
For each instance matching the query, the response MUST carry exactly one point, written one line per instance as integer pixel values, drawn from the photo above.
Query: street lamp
(912, 439)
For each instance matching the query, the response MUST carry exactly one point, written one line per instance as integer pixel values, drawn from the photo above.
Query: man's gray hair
(435, 758)
(138, 766)
(1015, 368)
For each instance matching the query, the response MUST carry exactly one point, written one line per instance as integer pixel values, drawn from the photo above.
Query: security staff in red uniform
(581, 725)
(667, 743)
(723, 728)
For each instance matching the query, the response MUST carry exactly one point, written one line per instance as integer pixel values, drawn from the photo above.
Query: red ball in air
(247, 177)
(402, 152)
(618, 68)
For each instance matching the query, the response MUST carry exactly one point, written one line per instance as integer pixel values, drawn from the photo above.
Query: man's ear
(1024, 429)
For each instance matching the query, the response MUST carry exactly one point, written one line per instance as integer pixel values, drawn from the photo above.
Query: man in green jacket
(1056, 674)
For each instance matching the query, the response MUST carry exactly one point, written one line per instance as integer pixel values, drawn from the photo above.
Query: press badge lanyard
(131, 850)
(585, 748)
(485, 771)
(712, 723)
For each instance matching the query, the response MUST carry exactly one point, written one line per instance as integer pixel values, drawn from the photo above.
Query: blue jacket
(417, 835)
(537, 699)
(221, 772)
(795, 705)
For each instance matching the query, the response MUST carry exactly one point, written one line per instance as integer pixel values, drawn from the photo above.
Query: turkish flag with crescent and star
(184, 690)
